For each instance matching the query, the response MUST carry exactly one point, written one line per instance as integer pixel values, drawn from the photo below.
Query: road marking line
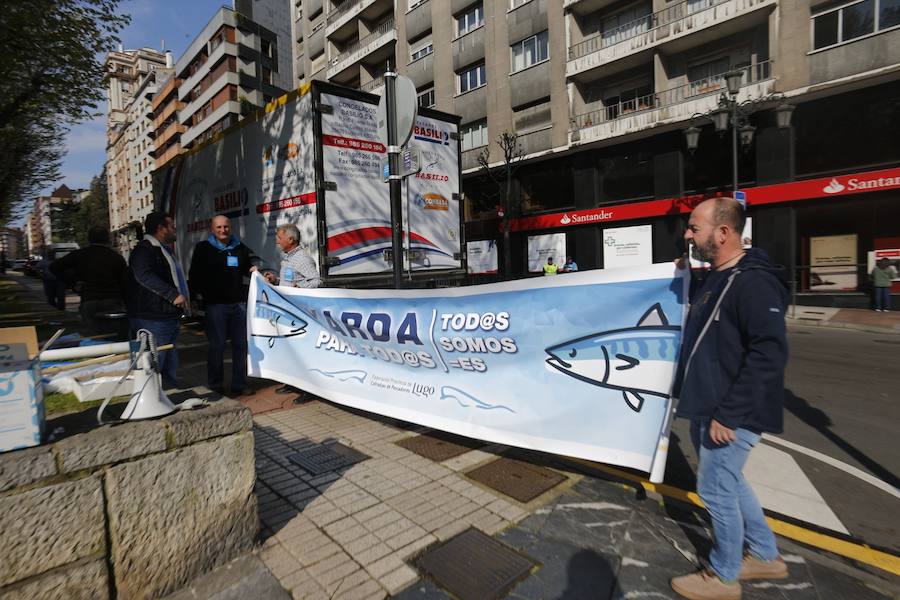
(859, 552)
(849, 469)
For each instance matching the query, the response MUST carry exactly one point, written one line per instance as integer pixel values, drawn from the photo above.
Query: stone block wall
(130, 511)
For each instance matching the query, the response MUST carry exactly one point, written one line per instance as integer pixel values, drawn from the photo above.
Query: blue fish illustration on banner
(636, 360)
(578, 365)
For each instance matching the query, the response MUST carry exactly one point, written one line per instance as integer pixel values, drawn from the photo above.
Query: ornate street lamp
(783, 114)
(733, 80)
(746, 133)
(692, 138)
(720, 117)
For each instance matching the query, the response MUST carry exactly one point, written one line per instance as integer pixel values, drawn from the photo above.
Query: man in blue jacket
(218, 268)
(730, 384)
(158, 292)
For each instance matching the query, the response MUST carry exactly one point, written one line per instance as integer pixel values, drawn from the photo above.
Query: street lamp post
(734, 114)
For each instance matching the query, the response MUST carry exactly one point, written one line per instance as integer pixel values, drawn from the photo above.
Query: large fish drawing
(637, 360)
(275, 317)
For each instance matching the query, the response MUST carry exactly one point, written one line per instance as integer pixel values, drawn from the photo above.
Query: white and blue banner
(580, 365)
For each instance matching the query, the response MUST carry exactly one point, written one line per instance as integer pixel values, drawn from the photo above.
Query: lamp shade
(733, 80)
(692, 138)
(783, 114)
(720, 118)
(746, 133)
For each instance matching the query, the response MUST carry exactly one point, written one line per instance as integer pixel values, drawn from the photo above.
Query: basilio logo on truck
(430, 134)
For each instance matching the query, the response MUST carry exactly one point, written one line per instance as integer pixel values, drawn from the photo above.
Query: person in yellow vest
(550, 268)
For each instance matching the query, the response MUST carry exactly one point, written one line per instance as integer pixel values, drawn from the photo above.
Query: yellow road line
(859, 552)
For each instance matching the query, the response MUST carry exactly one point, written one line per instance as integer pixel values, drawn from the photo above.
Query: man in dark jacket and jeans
(102, 275)
(730, 384)
(218, 268)
(158, 294)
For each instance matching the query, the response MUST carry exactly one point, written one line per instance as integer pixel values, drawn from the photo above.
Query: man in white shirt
(298, 269)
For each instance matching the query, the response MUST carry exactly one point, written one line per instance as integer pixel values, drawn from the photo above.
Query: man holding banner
(730, 383)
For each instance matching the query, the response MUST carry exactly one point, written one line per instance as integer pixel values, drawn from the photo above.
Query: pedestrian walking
(730, 384)
(101, 276)
(550, 268)
(298, 269)
(882, 277)
(158, 292)
(54, 288)
(216, 277)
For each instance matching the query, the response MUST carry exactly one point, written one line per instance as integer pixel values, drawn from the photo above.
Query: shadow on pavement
(822, 423)
(589, 575)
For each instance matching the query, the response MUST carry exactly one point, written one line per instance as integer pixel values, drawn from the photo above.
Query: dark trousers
(96, 315)
(882, 298)
(226, 321)
(165, 331)
(55, 291)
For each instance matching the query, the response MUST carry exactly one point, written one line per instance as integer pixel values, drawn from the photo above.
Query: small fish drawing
(274, 317)
(636, 360)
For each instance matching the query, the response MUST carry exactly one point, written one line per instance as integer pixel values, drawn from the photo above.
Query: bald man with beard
(219, 267)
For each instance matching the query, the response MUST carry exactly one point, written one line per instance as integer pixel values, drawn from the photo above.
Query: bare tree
(503, 174)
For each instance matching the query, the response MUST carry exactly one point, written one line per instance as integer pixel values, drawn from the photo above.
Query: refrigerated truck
(313, 158)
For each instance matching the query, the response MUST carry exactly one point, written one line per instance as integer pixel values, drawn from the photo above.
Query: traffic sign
(407, 109)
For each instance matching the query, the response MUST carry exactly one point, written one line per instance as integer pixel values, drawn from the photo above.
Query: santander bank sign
(856, 183)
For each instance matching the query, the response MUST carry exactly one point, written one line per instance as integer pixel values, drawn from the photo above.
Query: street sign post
(396, 117)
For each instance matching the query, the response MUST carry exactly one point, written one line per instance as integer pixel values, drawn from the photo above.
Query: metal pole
(734, 147)
(792, 253)
(390, 80)
(407, 229)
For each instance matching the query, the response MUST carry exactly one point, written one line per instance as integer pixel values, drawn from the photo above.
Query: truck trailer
(313, 158)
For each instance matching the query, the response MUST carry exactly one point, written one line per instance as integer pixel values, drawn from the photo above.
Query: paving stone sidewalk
(356, 533)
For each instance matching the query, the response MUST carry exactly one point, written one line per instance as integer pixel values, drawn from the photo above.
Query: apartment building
(12, 243)
(131, 85)
(167, 129)
(601, 92)
(50, 218)
(240, 61)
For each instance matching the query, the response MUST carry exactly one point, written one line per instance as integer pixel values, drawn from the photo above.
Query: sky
(153, 22)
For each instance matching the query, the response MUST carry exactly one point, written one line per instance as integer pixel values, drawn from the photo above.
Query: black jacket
(100, 270)
(152, 289)
(212, 280)
(735, 374)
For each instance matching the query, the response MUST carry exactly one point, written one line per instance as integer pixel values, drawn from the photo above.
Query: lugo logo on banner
(526, 363)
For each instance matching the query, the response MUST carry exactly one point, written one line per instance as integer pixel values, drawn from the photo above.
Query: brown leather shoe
(706, 585)
(754, 568)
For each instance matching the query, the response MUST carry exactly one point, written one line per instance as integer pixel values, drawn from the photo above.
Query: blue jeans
(226, 321)
(736, 514)
(165, 331)
(882, 298)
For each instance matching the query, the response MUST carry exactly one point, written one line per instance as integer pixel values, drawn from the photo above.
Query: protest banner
(579, 366)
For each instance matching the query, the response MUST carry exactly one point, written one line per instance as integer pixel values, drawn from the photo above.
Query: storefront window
(548, 188)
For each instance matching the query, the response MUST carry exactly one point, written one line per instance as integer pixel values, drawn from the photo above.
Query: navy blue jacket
(735, 374)
(151, 290)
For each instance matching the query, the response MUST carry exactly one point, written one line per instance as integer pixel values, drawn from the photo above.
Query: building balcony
(418, 19)
(667, 26)
(376, 86)
(170, 109)
(586, 7)
(382, 35)
(191, 82)
(668, 107)
(470, 158)
(421, 71)
(228, 107)
(169, 132)
(536, 141)
(468, 48)
(227, 78)
(341, 18)
(471, 105)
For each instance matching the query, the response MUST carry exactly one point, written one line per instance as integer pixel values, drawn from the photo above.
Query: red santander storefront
(827, 231)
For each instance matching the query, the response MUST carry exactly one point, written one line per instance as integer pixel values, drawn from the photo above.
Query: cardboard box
(22, 421)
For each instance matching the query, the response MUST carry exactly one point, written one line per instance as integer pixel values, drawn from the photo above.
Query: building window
(265, 47)
(472, 19)
(626, 24)
(426, 98)
(267, 75)
(474, 135)
(471, 78)
(421, 51)
(530, 51)
(852, 21)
